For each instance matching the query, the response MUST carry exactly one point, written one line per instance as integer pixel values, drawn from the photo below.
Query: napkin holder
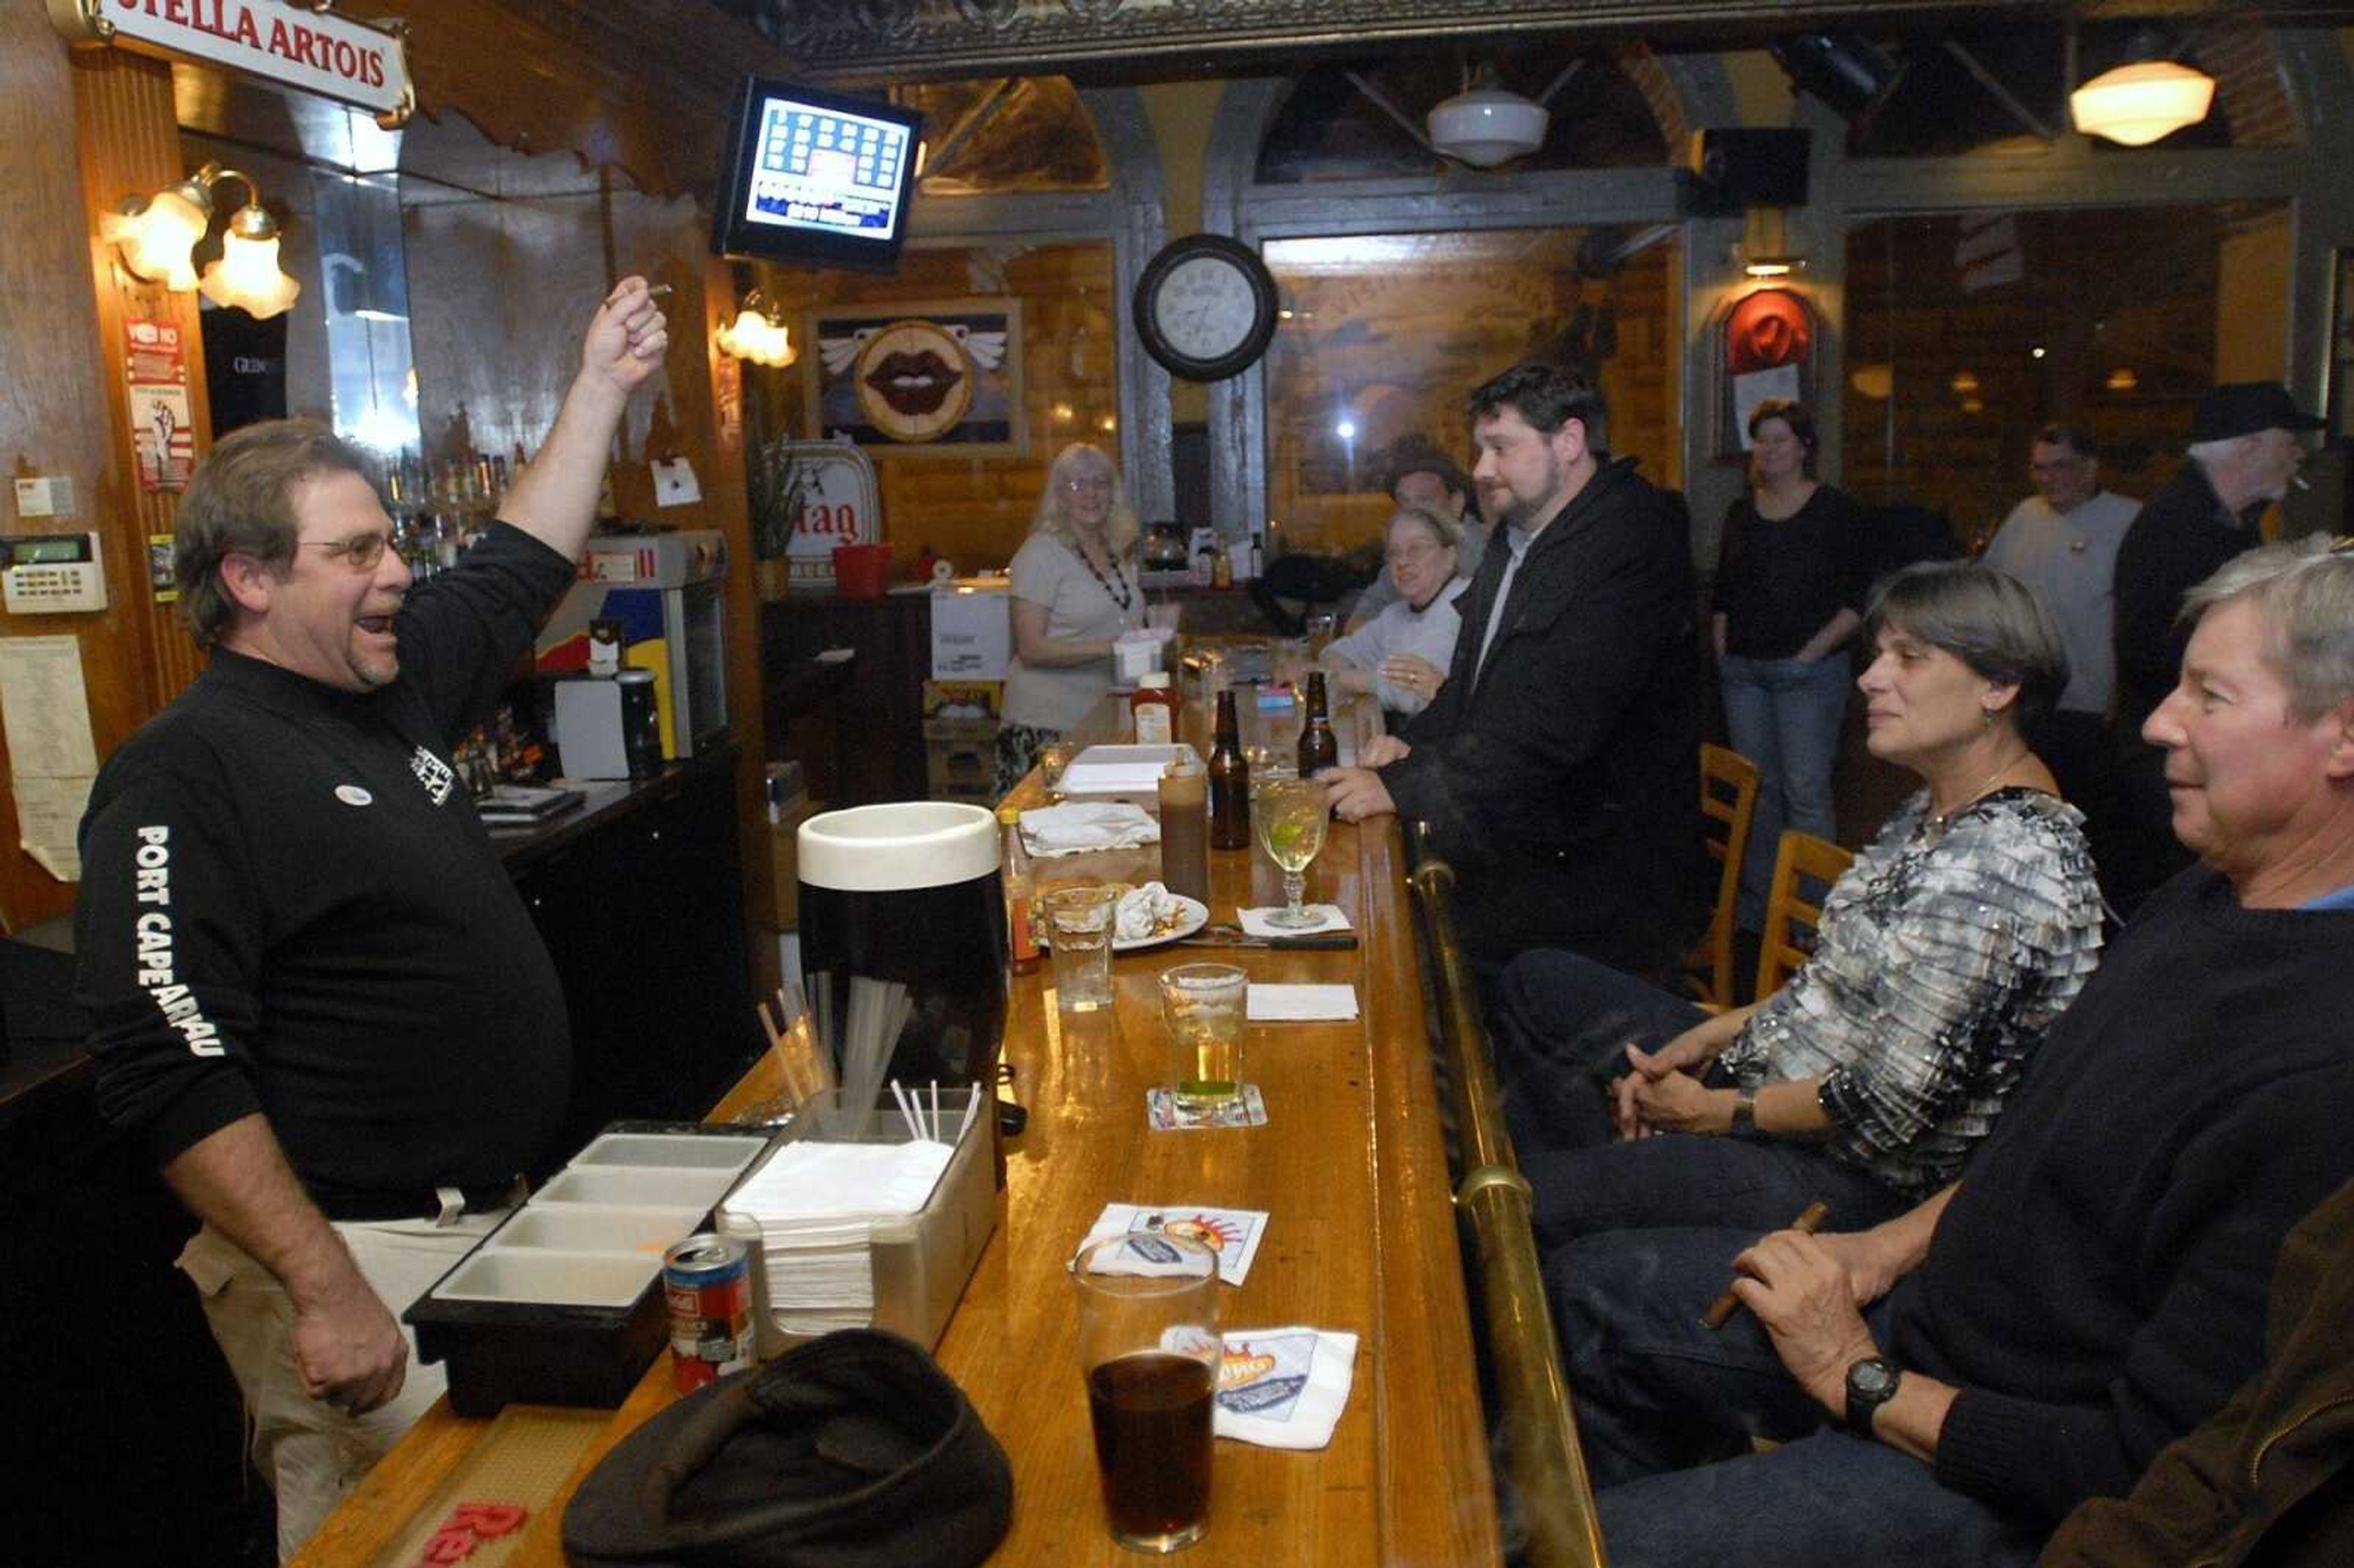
(921, 1260)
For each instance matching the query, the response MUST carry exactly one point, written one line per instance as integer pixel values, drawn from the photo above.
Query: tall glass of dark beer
(1148, 1345)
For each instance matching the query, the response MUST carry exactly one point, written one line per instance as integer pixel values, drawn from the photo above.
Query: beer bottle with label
(1229, 781)
(1317, 747)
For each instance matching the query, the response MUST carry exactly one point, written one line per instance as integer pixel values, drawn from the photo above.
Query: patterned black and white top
(1943, 954)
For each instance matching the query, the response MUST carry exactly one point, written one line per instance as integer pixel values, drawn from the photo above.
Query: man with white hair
(1945, 1386)
(2243, 455)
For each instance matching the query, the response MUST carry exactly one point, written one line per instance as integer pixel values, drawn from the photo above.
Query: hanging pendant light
(1489, 124)
(2140, 104)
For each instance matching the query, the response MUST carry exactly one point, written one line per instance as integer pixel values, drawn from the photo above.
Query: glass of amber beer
(1149, 1346)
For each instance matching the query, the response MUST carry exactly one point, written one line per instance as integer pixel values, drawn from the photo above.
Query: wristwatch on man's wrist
(1871, 1383)
(1744, 1111)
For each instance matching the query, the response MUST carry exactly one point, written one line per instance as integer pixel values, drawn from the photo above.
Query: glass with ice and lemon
(1291, 815)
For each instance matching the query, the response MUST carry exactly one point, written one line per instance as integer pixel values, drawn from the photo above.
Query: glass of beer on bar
(1149, 1347)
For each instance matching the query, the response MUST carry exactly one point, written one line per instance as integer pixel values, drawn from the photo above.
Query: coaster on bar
(1168, 1114)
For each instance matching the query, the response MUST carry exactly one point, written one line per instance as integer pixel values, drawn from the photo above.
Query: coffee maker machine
(1166, 558)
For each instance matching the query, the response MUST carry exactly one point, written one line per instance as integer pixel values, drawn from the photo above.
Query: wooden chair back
(1728, 803)
(1804, 869)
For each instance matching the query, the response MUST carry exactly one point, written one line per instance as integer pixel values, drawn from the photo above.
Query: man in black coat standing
(1558, 765)
(2243, 455)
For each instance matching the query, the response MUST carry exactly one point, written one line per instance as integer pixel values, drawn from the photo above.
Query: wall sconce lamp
(759, 334)
(1765, 249)
(156, 236)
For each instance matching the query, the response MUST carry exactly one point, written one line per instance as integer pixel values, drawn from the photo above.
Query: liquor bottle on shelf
(1229, 781)
(1319, 749)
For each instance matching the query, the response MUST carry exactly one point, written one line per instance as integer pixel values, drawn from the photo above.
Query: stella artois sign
(303, 45)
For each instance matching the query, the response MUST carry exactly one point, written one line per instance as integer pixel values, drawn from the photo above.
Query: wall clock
(1205, 307)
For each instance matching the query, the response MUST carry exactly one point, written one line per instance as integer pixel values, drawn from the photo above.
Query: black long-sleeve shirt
(1778, 583)
(289, 905)
(2096, 1287)
(2180, 536)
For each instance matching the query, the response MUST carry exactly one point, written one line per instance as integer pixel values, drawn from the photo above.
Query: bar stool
(1728, 801)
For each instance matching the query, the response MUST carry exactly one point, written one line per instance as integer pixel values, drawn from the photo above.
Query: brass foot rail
(1541, 1453)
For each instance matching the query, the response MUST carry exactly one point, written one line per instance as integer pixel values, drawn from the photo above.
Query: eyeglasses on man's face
(1407, 554)
(361, 552)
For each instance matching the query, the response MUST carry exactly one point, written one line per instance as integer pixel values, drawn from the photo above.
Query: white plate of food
(1169, 917)
(1179, 918)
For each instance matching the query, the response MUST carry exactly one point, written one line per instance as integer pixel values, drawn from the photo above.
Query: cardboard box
(964, 700)
(961, 768)
(784, 862)
(973, 630)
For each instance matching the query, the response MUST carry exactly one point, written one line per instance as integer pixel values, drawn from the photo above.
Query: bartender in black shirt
(314, 992)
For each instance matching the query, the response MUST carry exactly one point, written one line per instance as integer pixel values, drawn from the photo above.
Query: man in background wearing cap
(2244, 452)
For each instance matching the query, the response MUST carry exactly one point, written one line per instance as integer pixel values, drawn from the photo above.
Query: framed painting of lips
(938, 377)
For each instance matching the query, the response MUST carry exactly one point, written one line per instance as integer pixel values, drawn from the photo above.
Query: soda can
(707, 1279)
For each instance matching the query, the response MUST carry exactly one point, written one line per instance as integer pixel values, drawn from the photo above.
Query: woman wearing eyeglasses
(1401, 655)
(1076, 589)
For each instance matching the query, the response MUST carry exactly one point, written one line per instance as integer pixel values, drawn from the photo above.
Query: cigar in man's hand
(1721, 1310)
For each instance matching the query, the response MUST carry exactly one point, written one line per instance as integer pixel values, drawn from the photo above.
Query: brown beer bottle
(1229, 781)
(1318, 748)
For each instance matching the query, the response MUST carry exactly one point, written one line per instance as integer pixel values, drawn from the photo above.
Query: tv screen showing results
(821, 169)
(816, 178)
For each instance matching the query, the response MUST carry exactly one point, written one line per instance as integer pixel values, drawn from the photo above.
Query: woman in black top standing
(1792, 572)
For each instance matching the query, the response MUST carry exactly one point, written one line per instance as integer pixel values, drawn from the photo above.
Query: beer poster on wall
(163, 440)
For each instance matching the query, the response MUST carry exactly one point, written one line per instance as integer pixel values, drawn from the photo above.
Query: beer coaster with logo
(1232, 1234)
(1167, 1113)
(1284, 1388)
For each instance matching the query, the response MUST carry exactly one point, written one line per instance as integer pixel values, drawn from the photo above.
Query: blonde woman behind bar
(1076, 589)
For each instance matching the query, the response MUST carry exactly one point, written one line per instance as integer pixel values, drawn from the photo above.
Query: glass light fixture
(247, 277)
(2136, 104)
(759, 334)
(157, 235)
(1487, 125)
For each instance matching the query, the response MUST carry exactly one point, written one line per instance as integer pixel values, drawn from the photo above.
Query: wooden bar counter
(1362, 1236)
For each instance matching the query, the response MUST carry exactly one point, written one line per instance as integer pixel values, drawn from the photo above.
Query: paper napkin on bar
(1284, 1388)
(1328, 919)
(1300, 1003)
(1232, 1234)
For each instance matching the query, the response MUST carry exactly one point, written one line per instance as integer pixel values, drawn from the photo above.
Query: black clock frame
(1263, 299)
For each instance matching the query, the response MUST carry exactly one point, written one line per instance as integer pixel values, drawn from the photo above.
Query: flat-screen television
(816, 179)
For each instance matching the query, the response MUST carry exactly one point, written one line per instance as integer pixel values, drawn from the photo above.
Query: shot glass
(1079, 924)
(1149, 1348)
(1202, 1005)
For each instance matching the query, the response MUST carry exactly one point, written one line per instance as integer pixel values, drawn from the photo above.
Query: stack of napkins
(813, 1206)
(1076, 829)
(1118, 770)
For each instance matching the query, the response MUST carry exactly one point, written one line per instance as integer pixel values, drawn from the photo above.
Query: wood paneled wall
(85, 128)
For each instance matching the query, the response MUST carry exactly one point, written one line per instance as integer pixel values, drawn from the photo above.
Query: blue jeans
(1784, 717)
(1668, 1409)
(1560, 1026)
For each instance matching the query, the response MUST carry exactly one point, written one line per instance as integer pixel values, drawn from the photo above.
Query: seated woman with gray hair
(1402, 655)
(1958, 934)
